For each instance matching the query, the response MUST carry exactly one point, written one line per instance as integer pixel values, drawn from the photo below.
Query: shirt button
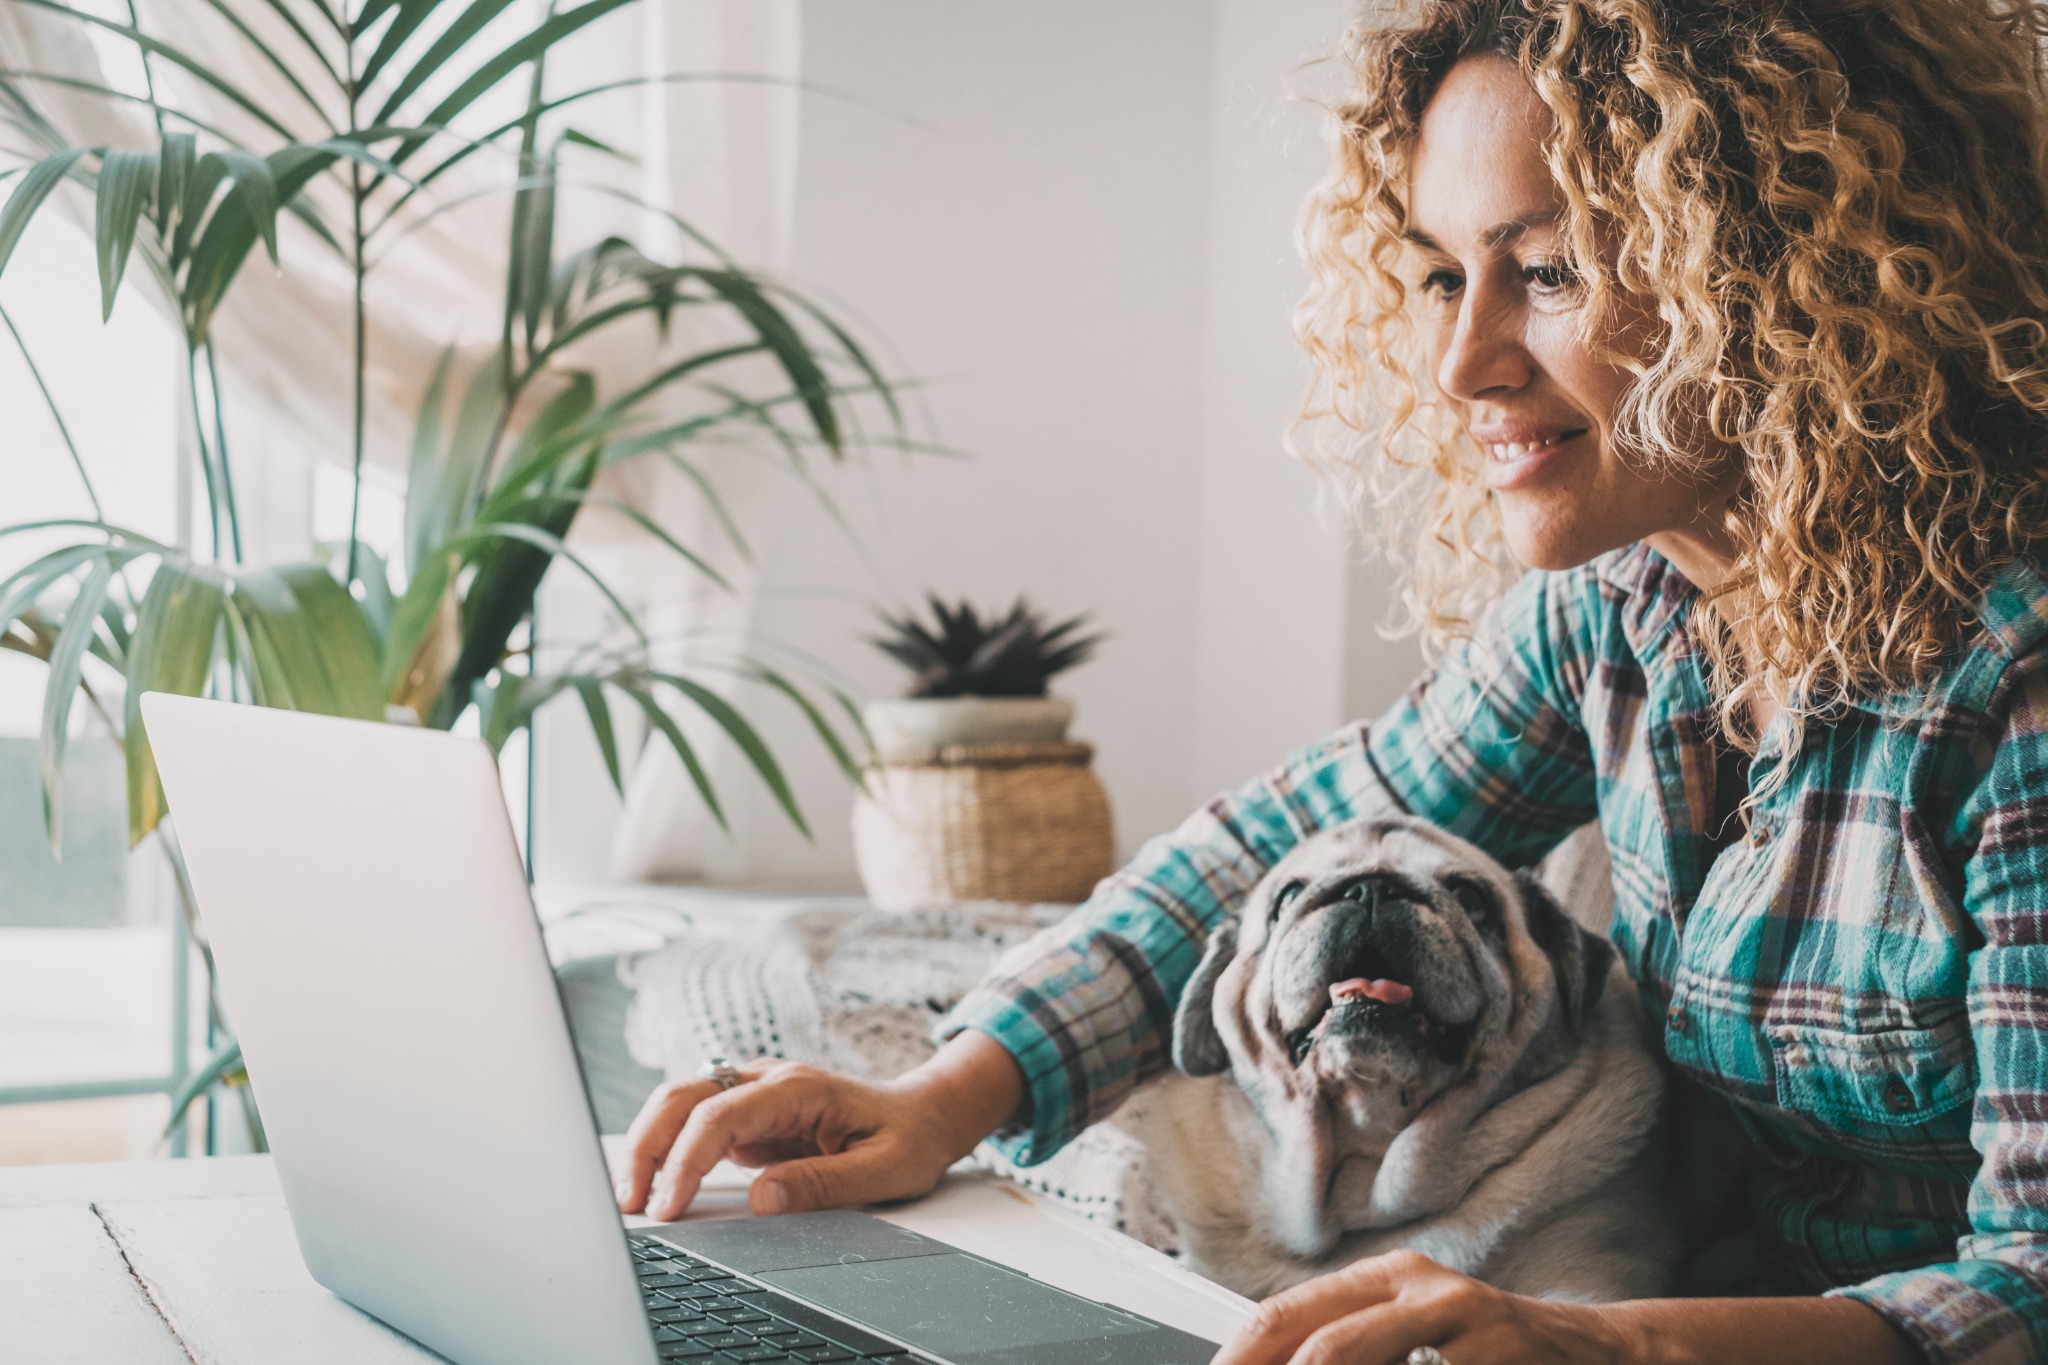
(1677, 1019)
(1897, 1097)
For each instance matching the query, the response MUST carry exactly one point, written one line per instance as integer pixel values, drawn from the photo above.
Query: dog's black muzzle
(1368, 927)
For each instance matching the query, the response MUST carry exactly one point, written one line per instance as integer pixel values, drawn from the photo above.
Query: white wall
(1287, 646)
(1073, 223)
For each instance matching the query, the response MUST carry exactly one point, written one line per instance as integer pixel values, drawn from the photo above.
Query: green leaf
(311, 649)
(848, 764)
(176, 160)
(557, 433)
(222, 1066)
(274, 60)
(28, 196)
(126, 179)
(791, 351)
(413, 618)
(21, 588)
(375, 576)
(411, 14)
(492, 70)
(457, 483)
(577, 137)
(533, 244)
(660, 719)
(503, 707)
(283, 663)
(201, 180)
(854, 351)
(500, 593)
(67, 662)
(735, 725)
(600, 712)
(202, 70)
(176, 638)
(118, 533)
(421, 485)
(444, 49)
(283, 10)
(638, 518)
(256, 185)
(712, 499)
(342, 635)
(373, 10)
(247, 214)
(681, 369)
(485, 532)
(114, 622)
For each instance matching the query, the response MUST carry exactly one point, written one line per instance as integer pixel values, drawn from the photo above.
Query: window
(93, 984)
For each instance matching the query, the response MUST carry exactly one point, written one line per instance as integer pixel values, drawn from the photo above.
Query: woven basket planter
(1003, 822)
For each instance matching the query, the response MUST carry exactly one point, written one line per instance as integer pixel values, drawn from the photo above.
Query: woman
(1724, 320)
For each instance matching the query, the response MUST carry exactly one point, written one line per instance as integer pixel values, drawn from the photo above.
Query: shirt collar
(2012, 623)
(1656, 594)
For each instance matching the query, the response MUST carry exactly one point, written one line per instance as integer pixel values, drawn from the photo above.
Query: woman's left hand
(1374, 1312)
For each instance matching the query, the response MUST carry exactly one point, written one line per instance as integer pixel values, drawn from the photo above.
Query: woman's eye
(1284, 897)
(1442, 283)
(1550, 277)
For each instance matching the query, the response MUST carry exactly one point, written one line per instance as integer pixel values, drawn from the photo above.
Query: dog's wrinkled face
(1378, 964)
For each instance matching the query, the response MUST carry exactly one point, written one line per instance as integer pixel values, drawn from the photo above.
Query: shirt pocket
(1883, 1079)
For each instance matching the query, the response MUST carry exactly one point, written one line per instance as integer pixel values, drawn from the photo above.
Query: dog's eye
(1478, 901)
(1285, 896)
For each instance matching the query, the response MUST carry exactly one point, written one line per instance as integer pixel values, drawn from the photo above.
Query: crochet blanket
(859, 992)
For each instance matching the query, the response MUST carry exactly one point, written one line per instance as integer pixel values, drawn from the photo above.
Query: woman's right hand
(825, 1139)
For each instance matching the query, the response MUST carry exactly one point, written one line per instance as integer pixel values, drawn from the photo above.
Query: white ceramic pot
(908, 724)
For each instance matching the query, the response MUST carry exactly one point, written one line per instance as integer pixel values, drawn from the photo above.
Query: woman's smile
(1520, 454)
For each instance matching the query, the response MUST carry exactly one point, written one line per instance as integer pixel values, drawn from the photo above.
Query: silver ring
(720, 1070)
(1426, 1355)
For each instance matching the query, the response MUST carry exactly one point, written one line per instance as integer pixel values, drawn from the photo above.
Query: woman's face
(1500, 314)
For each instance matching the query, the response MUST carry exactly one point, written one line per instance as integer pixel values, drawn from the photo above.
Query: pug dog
(1398, 1043)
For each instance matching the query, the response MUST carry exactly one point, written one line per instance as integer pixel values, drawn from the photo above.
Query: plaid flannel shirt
(1864, 974)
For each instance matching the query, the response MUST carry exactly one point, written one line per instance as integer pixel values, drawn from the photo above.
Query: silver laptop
(380, 961)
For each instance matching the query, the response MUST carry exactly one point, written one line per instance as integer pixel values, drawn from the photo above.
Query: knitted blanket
(859, 992)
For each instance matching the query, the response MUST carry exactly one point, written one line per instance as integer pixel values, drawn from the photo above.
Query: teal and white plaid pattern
(1864, 974)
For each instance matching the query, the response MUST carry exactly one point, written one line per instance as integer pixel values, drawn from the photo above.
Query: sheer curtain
(719, 152)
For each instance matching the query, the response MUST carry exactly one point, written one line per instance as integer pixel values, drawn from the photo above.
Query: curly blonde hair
(1839, 212)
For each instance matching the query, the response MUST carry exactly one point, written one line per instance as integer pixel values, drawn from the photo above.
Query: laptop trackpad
(953, 1304)
(784, 1242)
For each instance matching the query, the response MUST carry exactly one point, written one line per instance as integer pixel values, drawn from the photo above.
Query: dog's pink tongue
(1358, 988)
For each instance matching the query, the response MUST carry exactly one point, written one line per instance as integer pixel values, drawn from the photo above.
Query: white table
(177, 1262)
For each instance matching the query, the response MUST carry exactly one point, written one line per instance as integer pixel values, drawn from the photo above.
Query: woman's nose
(1485, 357)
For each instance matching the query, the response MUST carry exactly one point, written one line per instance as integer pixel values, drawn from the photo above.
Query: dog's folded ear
(1197, 1046)
(1581, 959)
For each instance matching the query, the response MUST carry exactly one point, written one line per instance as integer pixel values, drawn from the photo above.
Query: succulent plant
(961, 653)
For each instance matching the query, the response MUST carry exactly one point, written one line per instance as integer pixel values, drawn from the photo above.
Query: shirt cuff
(1965, 1313)
(1049, 1125)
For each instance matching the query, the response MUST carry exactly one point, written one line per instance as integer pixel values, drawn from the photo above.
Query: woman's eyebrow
(1495, 237)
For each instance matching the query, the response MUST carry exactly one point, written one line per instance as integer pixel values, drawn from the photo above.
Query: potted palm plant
(509, 449)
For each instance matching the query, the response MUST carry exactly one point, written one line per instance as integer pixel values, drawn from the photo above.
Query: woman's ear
(1197, 1046)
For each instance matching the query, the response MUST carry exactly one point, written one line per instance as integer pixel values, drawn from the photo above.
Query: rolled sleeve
(1984, 1312)
(1991, 1303)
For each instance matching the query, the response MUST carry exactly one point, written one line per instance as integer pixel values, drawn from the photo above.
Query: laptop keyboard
(703, 1315)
